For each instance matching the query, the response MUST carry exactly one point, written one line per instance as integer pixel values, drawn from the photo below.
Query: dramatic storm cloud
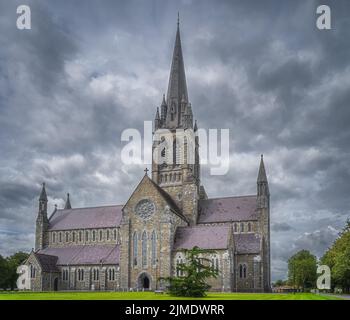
(87, 70)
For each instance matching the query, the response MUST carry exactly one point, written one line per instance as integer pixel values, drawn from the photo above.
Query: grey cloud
(281, 227)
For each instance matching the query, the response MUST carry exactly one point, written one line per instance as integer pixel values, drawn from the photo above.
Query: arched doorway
(144, 281)
(55, 284)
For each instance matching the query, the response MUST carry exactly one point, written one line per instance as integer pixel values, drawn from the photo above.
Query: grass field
(153, 296)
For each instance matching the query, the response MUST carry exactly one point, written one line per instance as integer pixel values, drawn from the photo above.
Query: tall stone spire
(263, 192)
(67, 205)
(262, 173)
(177, 80)
(177, 88)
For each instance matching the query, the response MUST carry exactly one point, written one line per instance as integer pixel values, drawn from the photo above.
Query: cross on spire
(146, 171)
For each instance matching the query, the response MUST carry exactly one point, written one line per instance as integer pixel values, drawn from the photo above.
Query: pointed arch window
(154, 247)
(249, 227)
(174, 152)
(95, 275)
(111, 274)
(87, 236)
(242, 227)
(54, 237)
(135, 248)
(80, 274)
(32, 271)
(144, 248)
(243, 271)
(236, 227)
(177, 267)
(65, 274)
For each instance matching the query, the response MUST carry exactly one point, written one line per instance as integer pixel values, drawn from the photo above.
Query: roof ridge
(45, 254)
(246, 196)
(95, 207)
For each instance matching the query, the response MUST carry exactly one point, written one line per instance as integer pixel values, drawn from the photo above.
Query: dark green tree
(4, 273)
(337, 257)
(196, 271)
(302, 269)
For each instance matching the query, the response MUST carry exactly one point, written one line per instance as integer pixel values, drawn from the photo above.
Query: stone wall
(66, 238)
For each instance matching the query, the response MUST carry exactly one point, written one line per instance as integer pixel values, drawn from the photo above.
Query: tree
(4, 273)
(280, 283)
(302, 268)
(337, 258)
(196, 270)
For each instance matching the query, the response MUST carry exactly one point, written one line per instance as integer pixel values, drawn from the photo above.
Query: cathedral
(132, 246)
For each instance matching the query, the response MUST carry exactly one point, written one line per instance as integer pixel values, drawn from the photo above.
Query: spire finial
(178, 19)
(146, 171)
(262, 173)
(43, 196)
(195, 128)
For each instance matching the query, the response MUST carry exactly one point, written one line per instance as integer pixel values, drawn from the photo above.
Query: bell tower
(175, 165)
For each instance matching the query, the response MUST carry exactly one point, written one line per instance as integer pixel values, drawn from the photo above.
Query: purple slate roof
(48, 263)
(205, 237)
(76, 255)
(247, 243)
(227, 209)
(84, 218)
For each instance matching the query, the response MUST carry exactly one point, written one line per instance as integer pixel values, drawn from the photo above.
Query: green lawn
(153, 296)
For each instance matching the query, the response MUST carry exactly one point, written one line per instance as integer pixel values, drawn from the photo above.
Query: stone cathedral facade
(133, 245)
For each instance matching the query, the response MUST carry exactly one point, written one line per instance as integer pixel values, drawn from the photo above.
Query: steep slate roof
(247, 243)
(205, 237)
(85, 218)
(227, 209)
(47, 262)
(76, 255)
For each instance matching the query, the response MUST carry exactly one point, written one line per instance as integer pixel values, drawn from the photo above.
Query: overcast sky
(90, 69)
